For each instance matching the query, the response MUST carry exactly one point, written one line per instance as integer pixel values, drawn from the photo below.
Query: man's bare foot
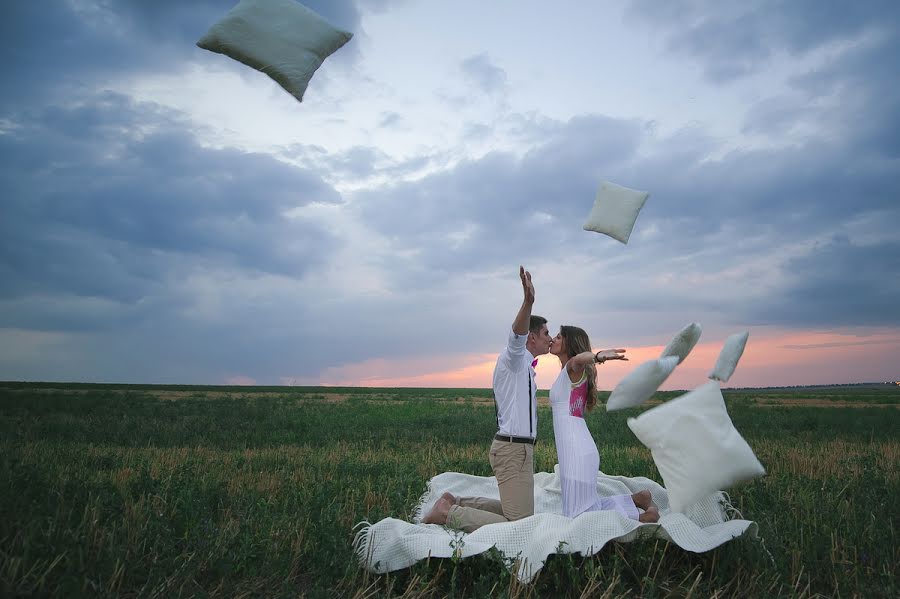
(642, 499)
(438, 514)
(449, 497)
(649, 516)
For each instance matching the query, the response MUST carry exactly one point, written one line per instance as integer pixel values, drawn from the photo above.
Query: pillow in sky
(615, 210)
(729, 357)
(281, 38)
(683, 342)
(695, 446)
(641, 383)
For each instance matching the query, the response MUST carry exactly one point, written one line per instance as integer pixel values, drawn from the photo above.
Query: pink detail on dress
(577, 398)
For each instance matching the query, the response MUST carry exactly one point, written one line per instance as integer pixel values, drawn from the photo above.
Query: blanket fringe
(731, 512)
(362, 543)
(416, 515)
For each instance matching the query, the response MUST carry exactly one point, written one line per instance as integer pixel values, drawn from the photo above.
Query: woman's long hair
(577, 341)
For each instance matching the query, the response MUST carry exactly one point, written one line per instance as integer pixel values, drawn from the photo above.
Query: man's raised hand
(527, 285)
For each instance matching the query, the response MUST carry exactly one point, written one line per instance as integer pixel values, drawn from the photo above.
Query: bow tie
(534, 363)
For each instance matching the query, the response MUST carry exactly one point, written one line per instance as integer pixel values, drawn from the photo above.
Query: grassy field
(231, 491)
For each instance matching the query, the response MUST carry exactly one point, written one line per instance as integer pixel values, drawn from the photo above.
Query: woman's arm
(576, 364)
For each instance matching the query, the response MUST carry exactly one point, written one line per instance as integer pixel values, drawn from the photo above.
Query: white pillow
(282, 38)
(641, 383)
(683, 342)
(729, 357)
(695, 446)
(615, 210)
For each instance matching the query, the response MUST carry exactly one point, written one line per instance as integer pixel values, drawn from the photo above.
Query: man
(512, 452)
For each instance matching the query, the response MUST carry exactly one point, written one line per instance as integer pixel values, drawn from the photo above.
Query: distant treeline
(420, 391)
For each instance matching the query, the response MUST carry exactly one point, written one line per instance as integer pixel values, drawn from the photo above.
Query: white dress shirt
(516, 409)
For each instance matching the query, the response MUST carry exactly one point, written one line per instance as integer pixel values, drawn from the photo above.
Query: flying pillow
(641, 383)
(695, 446)
(281, 38)
(729, 357)
(615, 210)
(683, 342)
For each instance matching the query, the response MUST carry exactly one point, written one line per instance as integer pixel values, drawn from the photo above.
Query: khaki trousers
(513, 465)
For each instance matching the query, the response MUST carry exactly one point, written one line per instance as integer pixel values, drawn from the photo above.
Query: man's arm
(520, 324)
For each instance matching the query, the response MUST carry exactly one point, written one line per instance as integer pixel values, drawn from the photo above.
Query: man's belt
(511, 439)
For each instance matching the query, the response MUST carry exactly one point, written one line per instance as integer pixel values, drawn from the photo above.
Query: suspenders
(530, 419)
(496, 408)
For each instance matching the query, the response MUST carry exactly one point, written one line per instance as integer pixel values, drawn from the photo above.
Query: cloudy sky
(171, 216)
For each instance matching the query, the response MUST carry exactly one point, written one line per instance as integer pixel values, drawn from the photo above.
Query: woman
(571, 396)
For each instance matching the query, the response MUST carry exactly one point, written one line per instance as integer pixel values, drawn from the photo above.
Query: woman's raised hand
(610, 354)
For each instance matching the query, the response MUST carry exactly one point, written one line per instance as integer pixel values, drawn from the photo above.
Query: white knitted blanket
(393, 544)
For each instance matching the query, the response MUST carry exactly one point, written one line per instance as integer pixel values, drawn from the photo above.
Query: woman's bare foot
(438, 514)
(642, 499)
(449, 497)
(650, 516)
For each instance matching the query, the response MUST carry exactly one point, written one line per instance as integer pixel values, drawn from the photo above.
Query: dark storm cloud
(57, 46)
(165, 261)
(839, 283)
(840, 344)
(715, 213)
(114, 200)
(712, 213)
(852, 98)
(732, 40)
(841, 122)
(471, 203)
(183, 20)
(117, 228)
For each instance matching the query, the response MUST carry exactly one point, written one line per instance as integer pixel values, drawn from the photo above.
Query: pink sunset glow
(771, 358)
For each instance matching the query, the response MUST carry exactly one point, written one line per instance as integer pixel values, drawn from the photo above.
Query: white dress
(579, 460)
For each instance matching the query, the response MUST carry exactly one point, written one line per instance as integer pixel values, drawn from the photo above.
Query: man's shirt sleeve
(515, 349)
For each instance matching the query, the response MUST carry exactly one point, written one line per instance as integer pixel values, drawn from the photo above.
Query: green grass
(125, 491)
